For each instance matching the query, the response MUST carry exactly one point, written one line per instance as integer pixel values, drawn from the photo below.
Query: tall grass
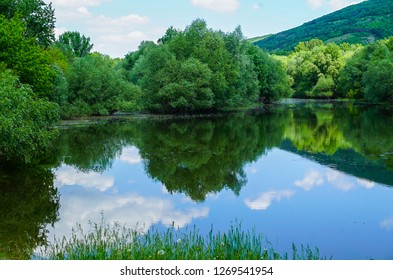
(114, 242)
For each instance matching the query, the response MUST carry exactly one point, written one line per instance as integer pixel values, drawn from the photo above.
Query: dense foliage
(95, 88)
(25, 121)
(314, 67)
(357, 24)
(368, 74)
(75, 43)
(192, 70)
(38, 17)
(199, 69)
(25, 57)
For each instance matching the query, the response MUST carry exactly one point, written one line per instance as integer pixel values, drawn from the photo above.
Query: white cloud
(387, 224)
(315, 3)
(256, 7)
(68, 176)
(222, 6)
(252, 169)
(127, 209)
(312, 179)
(84, 11)
(339, 180)
(77, 3)
(264, 200)
(332, 4)
(59, 31)
(366, 183)
(115, 36)
(131, 154)
(339, 4)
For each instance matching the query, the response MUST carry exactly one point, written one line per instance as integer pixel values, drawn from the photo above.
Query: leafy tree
(95, 87)
(190, 90)
(272, 80)
(75, 43)
(38, 17)
(324, 87)
(199, 69)
(29, 61)
(131, 58)
(366, 74)
(378, 81)
(314, 68)
(170, 33)
(26, 122)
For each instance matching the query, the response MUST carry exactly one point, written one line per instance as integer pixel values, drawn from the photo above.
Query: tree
(38, 17)
(272, 80)
(75, 43)
(28, 60)
(26, 122)
(366, 75)
(314, 63)
(324, 87)
(378, 81)
(95, 87)
(190, 91)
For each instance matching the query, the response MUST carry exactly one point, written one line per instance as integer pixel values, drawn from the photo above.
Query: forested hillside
(357, 24)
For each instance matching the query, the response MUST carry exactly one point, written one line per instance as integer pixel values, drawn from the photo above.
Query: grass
(114, 242)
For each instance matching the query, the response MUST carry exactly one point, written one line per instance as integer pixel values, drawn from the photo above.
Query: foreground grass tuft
(114, 242)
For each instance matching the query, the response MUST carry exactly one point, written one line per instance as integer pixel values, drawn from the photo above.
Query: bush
(25, 130)
(96, 88)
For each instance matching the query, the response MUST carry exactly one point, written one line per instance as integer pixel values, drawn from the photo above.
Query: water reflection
(203, 156)
(28, 203)
(181, 153)
(295, 159)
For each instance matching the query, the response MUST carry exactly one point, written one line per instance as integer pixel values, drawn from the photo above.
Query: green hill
(361, 23)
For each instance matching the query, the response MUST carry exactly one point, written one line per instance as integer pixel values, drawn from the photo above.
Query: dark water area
(317, 174)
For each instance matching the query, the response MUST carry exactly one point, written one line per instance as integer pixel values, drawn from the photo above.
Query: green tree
(28, 60)
(224, 74)
(378, 81)
(360, 77)
(191, 89)
(324, 87)
(95, 87)
(26, 122)
(75, 43)
(314, 68)
(38, 17)
(272, 80)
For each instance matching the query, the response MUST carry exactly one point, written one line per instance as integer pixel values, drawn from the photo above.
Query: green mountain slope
(361, 23)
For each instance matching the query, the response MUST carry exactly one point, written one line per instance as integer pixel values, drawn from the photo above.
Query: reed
(104, 241)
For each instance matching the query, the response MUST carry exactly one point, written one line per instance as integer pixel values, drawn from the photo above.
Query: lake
(311, 173)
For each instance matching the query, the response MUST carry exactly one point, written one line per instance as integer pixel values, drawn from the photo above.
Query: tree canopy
(75, 43)
(38, 17)
(199, 69)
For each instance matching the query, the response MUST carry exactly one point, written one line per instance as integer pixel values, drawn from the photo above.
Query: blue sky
(117, 27)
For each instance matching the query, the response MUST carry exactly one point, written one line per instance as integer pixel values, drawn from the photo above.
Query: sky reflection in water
(281, 185)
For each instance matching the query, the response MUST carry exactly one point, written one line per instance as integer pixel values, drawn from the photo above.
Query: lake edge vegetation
(186, 71)
(105, 241)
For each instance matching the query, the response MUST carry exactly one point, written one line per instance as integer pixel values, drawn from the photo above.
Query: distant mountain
(361, 23)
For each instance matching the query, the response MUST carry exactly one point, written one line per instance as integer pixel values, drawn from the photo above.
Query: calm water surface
(317, 174)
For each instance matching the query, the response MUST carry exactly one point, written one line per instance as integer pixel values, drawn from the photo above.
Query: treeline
(318, 70)
(199, 69)
(44, 79)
